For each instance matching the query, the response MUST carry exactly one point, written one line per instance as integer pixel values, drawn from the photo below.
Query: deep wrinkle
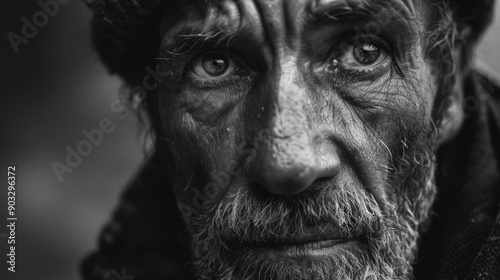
(224, 35)
(349, 149)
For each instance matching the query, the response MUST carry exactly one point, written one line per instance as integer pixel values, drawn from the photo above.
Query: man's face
(301, 134)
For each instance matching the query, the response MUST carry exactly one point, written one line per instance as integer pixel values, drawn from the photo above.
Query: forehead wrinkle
(295, 14)
(268, 12)
(318, 8)
(204, 20)
(282, 24)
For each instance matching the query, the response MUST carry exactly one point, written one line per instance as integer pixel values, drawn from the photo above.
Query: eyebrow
(196, 30)
(392, 18)
(355, 9)
(183, 43)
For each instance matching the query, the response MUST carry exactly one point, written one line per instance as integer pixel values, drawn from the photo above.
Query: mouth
(309, 251)
(311, 244)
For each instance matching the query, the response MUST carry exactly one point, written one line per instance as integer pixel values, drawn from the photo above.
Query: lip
(310, 244)
(308, 251)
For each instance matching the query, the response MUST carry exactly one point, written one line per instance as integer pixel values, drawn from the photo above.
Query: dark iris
(215, 64)
(366, 54)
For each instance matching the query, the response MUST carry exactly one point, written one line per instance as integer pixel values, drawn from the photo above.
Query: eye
(366, 54)
(362, 56)
(214, 68)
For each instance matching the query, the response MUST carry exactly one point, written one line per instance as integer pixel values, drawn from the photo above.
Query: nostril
(291, 156)
(286, 170)
(289, 183)
(287, 180)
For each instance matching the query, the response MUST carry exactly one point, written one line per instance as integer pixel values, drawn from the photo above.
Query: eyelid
(240, 72)
(383, 55)
(371, 39)
(198, 57)
(340, 49)
(343, 74)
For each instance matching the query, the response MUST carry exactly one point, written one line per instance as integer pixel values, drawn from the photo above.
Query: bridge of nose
(286, 157)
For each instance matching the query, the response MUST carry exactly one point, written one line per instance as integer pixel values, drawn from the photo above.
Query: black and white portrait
(251, 140)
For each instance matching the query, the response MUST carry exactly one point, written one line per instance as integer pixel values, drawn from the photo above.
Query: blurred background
(54, 88)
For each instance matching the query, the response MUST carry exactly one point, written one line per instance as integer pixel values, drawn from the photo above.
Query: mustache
(248, 217)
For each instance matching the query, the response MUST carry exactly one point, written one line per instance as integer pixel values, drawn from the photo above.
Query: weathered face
(302, 135)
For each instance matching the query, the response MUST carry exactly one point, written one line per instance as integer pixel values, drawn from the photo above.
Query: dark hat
(125, 32)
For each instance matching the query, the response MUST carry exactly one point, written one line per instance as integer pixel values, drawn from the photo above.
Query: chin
(322, 261)
(375, 247)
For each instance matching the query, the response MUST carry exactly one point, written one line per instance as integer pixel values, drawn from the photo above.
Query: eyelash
(369, 73)
(241, 76)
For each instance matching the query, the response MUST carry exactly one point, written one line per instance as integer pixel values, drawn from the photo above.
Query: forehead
(292, 8)
(279, 19)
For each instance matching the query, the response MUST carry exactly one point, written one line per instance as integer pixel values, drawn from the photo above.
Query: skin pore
(302, 135)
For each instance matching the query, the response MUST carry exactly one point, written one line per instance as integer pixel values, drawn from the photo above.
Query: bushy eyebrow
(394, 20)
(198, 28)
(354, 9)
(186, 42)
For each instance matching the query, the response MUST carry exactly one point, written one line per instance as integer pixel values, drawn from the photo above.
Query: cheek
(396, 108)
(371, 122)
(203, 139)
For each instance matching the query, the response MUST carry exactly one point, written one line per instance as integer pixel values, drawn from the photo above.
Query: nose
(288, 154)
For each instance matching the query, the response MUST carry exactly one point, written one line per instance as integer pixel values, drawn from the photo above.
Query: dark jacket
(463, 241)
(145, 240)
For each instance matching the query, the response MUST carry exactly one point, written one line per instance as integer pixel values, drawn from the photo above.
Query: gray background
(52, 90)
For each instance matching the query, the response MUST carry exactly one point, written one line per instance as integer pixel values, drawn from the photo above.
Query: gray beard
(389, 239)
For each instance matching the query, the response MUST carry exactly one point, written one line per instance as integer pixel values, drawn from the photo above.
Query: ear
(453, 113)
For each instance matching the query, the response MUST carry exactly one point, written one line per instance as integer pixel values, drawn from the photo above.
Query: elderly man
(305, 139)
